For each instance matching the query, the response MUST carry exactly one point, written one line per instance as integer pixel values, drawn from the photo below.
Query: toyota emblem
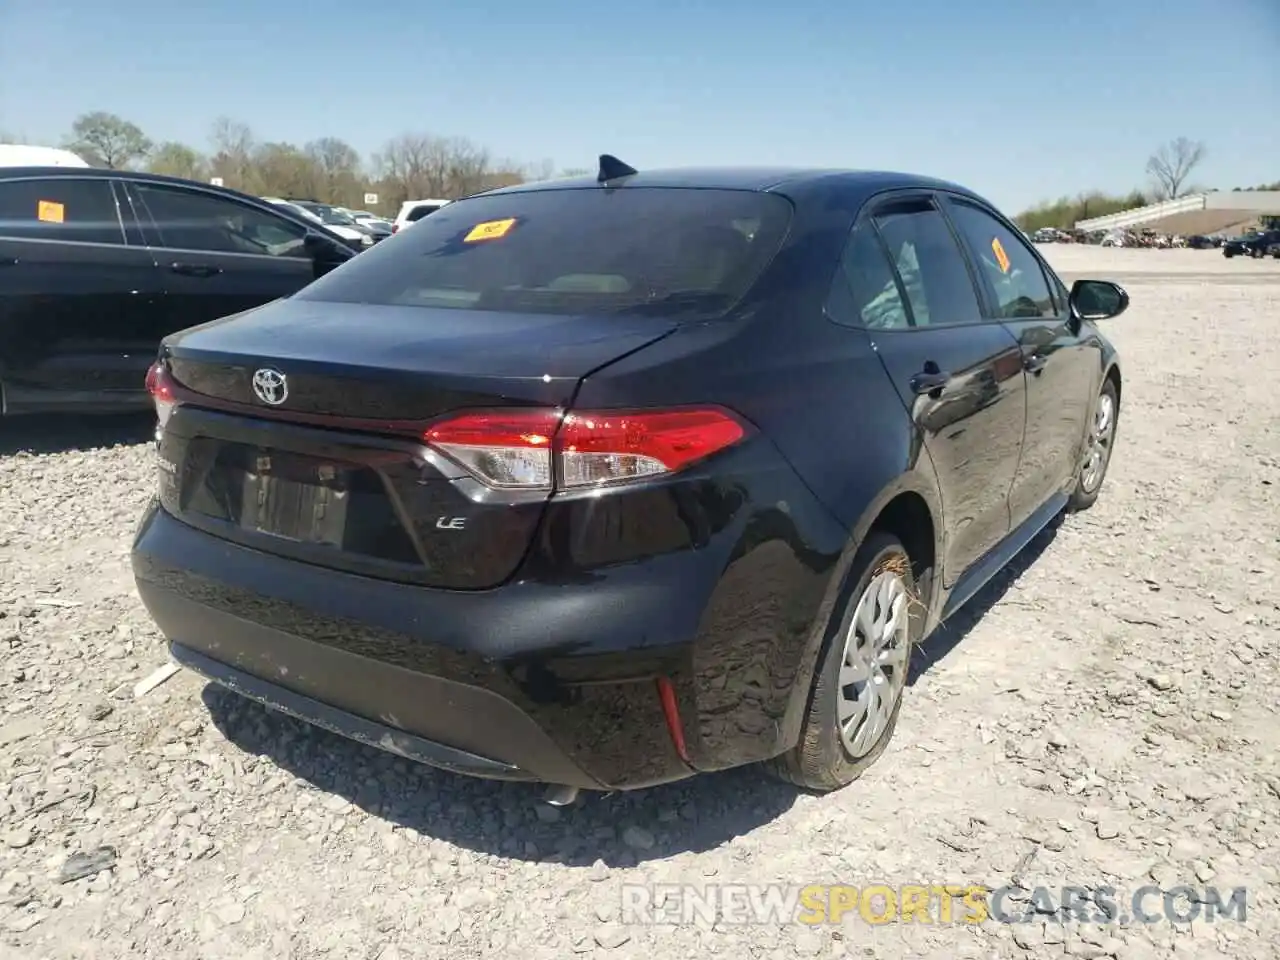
(271, 386)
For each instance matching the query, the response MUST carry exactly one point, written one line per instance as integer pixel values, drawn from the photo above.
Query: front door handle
(1034, 363)
(196, 269)
(929, 380)
(8, 261)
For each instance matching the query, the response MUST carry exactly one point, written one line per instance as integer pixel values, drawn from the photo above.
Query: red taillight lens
(160, 386)
(502, 448)
(395, 228)
(541, 449)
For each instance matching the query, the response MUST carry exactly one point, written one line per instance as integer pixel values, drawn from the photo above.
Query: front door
(1063, 370)
(959, 375)
(76, 298)
(217, 256)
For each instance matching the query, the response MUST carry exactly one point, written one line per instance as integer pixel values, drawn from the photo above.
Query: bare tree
(232, 153)
(108, 139)
(337, 167)
(281, 169)
(1172, 164)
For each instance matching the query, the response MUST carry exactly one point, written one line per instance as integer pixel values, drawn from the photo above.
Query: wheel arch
(901, 509)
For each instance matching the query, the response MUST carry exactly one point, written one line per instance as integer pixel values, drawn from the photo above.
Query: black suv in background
(98, 266)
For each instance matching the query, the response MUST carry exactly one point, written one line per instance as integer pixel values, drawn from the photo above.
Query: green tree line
(421, 165)
(328, 169)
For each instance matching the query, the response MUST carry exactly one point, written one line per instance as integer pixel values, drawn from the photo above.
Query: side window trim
(883, 246)
(865, 219)
(935, 199)
(1046, 272)
(134, 234)
(146, 224)
(868, 216)
(111, 192)
(942, 200)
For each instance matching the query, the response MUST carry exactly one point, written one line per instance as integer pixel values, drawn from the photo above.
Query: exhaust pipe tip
(559, 795)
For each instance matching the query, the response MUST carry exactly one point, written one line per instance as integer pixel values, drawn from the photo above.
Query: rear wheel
(1101, 441)
(859, 682)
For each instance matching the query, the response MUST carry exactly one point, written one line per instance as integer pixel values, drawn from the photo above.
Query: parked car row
(97, 266)
(1152, 239)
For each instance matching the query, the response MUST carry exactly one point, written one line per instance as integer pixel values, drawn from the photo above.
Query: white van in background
(25, 155)
(411, 211)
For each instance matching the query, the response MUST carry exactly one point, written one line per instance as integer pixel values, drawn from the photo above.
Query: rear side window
(930, 264)
(686, 252)
(870, 296)
(60, 209)
(1015, 282)
(189, 220)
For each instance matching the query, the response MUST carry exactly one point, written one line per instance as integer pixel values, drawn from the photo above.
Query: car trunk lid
(325, 461)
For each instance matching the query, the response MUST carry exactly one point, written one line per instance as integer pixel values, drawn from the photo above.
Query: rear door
(959, 375)
(76, 297)
(1063, 368)
(217, 256)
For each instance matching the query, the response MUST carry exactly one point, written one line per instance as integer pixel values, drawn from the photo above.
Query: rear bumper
(495, 684)
(346, 724)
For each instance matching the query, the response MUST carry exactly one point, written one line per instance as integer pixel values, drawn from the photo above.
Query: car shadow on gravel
(947, 637)
(507, 819)
(61, 433)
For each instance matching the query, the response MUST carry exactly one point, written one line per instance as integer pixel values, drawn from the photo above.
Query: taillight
(160, 386)
(542, 449)
(395, 228)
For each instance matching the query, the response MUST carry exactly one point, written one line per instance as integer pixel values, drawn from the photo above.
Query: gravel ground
(1104, 714)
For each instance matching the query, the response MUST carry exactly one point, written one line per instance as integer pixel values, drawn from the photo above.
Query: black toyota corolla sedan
(606, 482)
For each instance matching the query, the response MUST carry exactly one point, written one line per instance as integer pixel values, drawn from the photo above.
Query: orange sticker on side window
(1002, 258)
(489, 230)
(48, 211)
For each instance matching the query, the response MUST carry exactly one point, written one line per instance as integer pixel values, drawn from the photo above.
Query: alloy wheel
(1099, 452)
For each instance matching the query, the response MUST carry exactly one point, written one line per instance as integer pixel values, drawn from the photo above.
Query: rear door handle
(1034, 363)
(196, 269)
(927, 381)
(8, 261)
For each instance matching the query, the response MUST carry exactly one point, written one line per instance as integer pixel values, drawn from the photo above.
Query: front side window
(190, 220)
(674, 252)
(933, 271)
(60, 208)
(1013, 277)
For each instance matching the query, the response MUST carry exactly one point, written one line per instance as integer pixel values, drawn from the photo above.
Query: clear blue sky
(1020, 99)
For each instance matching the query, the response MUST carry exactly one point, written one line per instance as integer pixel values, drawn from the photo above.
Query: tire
(820, 761)
(1101, 440)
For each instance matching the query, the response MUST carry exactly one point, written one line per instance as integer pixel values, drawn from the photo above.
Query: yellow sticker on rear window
(490, 230)
(1002, 258)
(50, 212)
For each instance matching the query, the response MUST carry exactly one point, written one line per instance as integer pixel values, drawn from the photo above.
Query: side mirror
(325, 254)
(1098, 299)
(320, 246)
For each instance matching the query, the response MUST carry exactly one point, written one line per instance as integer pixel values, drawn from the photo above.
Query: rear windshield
(686, 252)
(417, 213)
